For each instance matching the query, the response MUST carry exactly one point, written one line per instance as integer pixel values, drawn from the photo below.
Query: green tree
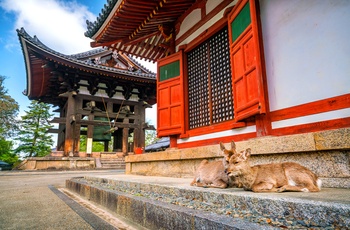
(6, 152)
(8, 111)
(96, 146)
(150, 137)
(8, 126)
(33, 138)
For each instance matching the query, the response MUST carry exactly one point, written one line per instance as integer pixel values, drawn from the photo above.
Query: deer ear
(233, 145)
(222, 146)
(248, 152)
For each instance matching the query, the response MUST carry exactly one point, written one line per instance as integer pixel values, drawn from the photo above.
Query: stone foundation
(57, 163)
(327, 153)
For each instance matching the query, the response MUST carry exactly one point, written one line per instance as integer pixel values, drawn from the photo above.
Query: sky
(59, 24)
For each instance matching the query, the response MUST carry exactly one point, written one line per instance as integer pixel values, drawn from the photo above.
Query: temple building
(270, 75)
(100, 94)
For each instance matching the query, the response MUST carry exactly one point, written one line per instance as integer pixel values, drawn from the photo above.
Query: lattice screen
(209, 81)
(198, 83)
(220, 76)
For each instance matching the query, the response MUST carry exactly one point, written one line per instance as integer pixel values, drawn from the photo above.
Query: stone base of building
(326, 153)
(57, 163)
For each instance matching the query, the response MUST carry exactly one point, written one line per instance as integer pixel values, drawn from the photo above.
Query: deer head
(228, 153)
(238, 163)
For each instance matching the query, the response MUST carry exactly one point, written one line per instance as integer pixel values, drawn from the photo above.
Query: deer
(273, 177)
(212, 174)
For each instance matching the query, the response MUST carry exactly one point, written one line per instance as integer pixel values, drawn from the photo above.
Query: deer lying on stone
(275, 177)
(213, 174)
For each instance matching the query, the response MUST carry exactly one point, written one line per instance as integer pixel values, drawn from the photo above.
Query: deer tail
(319, 183)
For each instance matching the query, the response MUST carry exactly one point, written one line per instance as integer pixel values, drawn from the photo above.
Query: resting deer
(213, 174)
(278, 177)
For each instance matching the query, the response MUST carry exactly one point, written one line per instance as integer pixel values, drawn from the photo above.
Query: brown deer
(277, 177)
(212, 174)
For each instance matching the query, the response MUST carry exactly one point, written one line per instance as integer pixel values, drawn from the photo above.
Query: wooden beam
(121, 115)
(144, 126)
(53, 131)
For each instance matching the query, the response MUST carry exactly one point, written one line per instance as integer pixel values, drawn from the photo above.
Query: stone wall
(59, 163)
(327, 153)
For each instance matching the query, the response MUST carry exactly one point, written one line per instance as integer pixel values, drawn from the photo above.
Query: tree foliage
(8, 111)
(33, 138)
(96, 146)
(6, 152)
(8, 126)
(150, 137)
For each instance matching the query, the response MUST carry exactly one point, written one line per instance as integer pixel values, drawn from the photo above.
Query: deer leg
(218, 184)
(193, 183)
(196, 182)
(292, 188)
(264, 187)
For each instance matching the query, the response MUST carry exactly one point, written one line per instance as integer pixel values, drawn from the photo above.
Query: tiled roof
(160, 145)
(76, 58)
(145, 29)
(93, 27)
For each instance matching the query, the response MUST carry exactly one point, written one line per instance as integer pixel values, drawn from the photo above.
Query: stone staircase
(111, 160)
(112, 163)
(171, 203)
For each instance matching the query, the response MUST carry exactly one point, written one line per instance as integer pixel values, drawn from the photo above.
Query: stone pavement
(30, 200)
(35, 200)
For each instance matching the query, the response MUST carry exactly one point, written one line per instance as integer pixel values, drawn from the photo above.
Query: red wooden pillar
(173, 141)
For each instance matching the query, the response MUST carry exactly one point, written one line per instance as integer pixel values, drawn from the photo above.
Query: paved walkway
(34, 200)
(31, 200)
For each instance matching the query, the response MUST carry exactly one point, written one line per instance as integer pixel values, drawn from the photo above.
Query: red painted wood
(173, 141)
(215, 141)
(170, 100)
(321, 106)
(247, 78)
(215, 128)
(313, 127)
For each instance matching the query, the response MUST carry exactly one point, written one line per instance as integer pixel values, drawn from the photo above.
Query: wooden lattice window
(209, 82)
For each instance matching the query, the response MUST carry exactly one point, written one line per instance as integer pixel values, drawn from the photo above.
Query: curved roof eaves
(73, 58)
(93, 27)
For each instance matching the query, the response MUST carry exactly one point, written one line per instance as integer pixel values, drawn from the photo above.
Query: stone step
(167, 203)
(112, 163)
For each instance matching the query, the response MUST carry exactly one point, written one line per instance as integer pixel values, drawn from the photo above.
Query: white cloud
(58, 24)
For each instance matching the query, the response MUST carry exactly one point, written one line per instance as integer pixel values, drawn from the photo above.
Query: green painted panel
(241, 22)
(99, 130)
(169, 71)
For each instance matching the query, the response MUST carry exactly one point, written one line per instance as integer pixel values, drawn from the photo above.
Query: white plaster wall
(211, 4)
(307, 50)
(188, 22)
(193, 18)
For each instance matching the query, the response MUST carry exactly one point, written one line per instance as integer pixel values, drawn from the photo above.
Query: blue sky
(59, 24)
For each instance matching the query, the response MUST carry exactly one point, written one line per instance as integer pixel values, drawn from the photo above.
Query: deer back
(208, 172)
